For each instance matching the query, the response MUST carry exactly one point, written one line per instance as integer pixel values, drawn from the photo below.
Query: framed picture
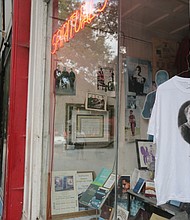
(95, 102)
(64, 191)
(65, 81)
(139, 76)
(146, 151)
(86, 128)
(106, 80)
(97, 126)
(89, 126)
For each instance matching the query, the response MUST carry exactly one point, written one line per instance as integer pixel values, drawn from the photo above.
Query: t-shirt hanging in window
(170, 126)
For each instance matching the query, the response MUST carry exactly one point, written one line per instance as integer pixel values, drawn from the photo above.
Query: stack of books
(147, 187)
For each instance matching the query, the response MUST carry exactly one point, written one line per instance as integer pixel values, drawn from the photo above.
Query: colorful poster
(138, 81)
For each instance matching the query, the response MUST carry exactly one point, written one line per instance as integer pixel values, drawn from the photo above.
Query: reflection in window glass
(84, 59)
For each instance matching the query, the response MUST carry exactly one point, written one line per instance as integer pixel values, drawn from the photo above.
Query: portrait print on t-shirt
(184, 121)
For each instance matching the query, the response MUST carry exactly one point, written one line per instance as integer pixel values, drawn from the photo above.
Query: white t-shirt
(172, 170)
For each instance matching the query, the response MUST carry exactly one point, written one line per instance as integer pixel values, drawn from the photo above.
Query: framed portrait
(139, 76)
(146, 151)
(96, 102)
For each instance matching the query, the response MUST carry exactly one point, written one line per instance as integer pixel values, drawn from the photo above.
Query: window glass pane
(84, 63)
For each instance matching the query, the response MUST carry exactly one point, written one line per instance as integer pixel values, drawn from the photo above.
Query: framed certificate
(86, 128)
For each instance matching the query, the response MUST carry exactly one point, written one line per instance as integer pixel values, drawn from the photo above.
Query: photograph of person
(131, 100)
(184, 121)
(132, 122)
(65, 81)
(138, 76)
(123, 186)
(139, 81)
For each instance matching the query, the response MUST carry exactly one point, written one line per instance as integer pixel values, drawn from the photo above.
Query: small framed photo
(95, 102)
(146, 151)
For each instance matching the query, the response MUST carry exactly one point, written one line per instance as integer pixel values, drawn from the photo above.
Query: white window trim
(34, 206)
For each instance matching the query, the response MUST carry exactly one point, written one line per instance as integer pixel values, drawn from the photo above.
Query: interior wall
(139, 44)
(127, 151)
(82, 159)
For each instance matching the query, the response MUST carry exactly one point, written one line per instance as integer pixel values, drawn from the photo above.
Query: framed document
(86, 128)
(90, 126)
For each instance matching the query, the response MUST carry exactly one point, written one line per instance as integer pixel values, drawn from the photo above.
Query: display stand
(166, 210)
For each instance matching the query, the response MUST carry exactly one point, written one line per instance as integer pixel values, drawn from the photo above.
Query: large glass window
(84, 64)
(100, 93)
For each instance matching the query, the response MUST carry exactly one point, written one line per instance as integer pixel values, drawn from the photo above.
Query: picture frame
(89, 126)
(86, 128)
(64, 191)
(83, 120)
(146, 151)
(106, 80)
(144, 67)
(95, 101)
(65, 81)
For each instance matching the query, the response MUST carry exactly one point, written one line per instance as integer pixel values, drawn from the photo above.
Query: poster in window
(64, 192)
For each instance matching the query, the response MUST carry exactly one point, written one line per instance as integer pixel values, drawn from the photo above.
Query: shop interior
(100, 122)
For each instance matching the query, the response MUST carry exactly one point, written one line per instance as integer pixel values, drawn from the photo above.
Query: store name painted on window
(75, 23)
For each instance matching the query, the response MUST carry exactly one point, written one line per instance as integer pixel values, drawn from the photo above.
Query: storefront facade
(71, 107)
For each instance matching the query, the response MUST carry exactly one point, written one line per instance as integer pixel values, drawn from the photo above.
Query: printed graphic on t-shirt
(184, 121)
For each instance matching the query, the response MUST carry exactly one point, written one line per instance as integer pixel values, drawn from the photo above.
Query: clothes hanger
(186, 73)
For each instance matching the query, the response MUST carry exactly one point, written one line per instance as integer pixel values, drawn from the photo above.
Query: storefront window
(153, 40)
(84, 63)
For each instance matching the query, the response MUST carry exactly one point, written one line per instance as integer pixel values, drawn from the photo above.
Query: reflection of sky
(90, 6)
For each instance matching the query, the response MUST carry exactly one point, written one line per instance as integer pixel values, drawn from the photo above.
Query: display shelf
(165, 210)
